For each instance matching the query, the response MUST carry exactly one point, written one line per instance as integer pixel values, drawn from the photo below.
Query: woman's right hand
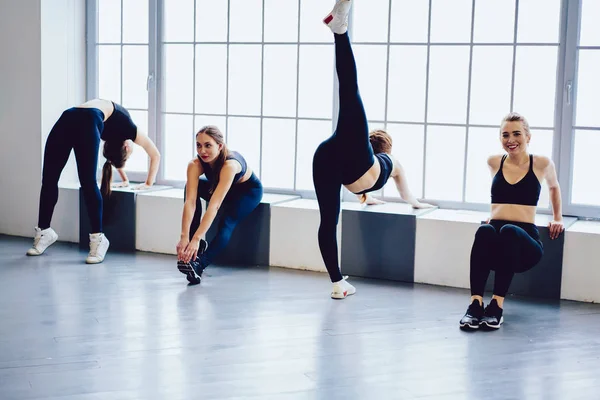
(371, 201)
(120, 184)
(181, 246)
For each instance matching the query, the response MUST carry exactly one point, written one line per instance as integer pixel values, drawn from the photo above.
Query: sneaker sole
(469, 327)
(188, 271)
(486, 325)
(94, 262)
(341, 296)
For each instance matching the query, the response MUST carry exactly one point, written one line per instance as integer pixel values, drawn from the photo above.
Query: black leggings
(344, 157)
(78, 129)
(239, 202)
(505, 247)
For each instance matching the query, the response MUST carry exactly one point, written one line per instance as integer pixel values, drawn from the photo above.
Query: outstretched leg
(352, 128)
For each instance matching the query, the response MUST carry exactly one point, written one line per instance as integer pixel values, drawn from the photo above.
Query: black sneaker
(492, 317)
(193, 270)
(473, 316)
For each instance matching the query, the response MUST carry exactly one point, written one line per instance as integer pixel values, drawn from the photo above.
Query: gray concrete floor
(131, 328)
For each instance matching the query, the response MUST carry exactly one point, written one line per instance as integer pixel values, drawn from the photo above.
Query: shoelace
(474, 310)
(491, 310)
(94, 248)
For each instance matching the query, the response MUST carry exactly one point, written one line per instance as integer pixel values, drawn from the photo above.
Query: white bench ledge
(474, 217)
(172, 193)
(592, 227)
(176, 193)
(272, 198)
(387, 208)
(303, 204)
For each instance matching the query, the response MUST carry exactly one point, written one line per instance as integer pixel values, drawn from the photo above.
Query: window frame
(564, 111)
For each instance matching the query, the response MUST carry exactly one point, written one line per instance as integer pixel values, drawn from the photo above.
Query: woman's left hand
(141, 186)
(191, 250)
(555, 227)
(423, 205)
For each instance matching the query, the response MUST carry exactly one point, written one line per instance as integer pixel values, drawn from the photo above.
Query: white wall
(63, 66)
(42, 72)
(20, 115)
(63, 86)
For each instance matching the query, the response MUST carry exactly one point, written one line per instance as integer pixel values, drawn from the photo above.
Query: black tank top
(119, 126)
(233, 155)
(526, 192)
(387, 165)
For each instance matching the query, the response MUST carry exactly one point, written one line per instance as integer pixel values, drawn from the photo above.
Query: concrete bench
(251, 239)
(581, 262)
(158, 234)
(444, 242)
(119, 218)
(294, 228)
(379, 241)
(543, 280)
(443, 246)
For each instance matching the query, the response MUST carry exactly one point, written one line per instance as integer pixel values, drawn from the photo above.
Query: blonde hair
(513, 117)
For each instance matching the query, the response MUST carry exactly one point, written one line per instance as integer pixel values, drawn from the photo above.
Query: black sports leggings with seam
(344, 157)
(506, 247)
(77, 129)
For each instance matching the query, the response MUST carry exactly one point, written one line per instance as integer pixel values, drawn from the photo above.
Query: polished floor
(131, 328)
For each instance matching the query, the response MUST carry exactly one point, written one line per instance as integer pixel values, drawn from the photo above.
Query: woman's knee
(511, 233)
(485, 233)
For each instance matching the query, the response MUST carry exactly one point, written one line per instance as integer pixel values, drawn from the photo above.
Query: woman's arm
(194, 171)
(225, 181)
(226, 177)
(556, 226)
(150, 148)
(124, 180)
(399, 176)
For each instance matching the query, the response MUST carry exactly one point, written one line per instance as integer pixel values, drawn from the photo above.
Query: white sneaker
(98, 248)
(337, 19)
(42, 240)
(342, 289)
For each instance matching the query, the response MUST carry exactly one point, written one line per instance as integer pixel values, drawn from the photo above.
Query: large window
(585, 190)
(121, 67)
(438, 75)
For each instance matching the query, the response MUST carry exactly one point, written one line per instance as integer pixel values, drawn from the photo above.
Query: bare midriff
(514, 212)
(105, 106)
(367, 180)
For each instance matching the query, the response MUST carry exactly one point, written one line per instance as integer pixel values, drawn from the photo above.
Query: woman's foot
(492, 317)
(193, 270)
(98, 248)
(472, 317)
(41, 241)
(342, 289)
(337, 19)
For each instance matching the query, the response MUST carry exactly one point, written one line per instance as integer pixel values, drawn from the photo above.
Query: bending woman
(352, 157)
(80, 129)
(510, 242)
(229, 185)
